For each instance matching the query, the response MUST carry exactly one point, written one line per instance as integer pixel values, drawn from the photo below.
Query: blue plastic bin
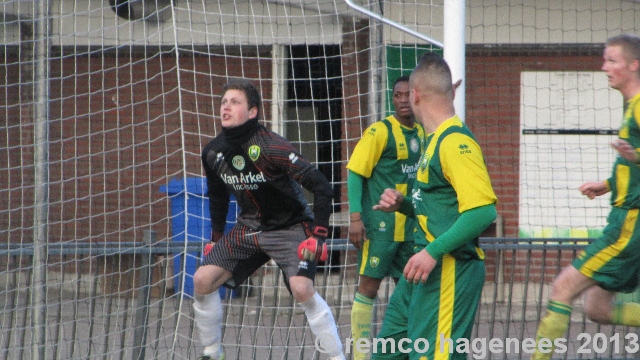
(198, 222)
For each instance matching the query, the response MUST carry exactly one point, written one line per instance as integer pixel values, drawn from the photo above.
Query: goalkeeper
(264, 173)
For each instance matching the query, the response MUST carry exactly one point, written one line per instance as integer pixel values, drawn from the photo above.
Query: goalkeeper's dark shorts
(242, 251)
(613, 260)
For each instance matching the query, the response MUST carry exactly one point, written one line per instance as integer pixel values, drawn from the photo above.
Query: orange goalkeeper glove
(314, 248)
(207, 249)
(215, 237)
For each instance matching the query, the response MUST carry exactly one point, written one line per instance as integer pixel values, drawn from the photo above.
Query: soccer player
(453, 202)
(264, 172)
(387, 155)
(610, 264)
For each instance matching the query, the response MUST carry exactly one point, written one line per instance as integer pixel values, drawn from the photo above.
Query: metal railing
(512, 303)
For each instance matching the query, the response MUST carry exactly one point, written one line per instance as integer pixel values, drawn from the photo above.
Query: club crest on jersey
(254, 152)
(424, 163)
(414, 145)
(415, 195)
(374, 261)
(238, 162)
(382, 226)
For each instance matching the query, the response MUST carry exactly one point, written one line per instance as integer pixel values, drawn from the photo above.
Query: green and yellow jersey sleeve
(464, 168)
(369, 149)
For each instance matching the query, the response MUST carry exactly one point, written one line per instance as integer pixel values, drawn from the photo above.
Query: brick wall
(493, 114)
(493, 109)
(355, 73)
(115, 134)
(115, 137)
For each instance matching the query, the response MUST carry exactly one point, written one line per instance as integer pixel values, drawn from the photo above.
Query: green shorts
(378, 258)
(442, 308)
(613, 260)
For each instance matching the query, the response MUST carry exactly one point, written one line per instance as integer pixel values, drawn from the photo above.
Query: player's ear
(455, 87)
(253, 112)
(635, 66)
(414, 96)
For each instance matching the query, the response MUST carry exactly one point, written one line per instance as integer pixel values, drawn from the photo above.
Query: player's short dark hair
(629, 43)
(433, 60)
(434, 73)
(404, 78)
(250, 91)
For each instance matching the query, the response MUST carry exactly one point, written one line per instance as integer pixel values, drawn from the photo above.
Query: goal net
(105, 107)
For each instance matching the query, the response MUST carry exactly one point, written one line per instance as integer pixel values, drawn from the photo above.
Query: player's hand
(593, 188)
(419, 267)
(390, 200)
(357, 233)
(313, 249)
(207, 249)
(626, 150)
(215, 237)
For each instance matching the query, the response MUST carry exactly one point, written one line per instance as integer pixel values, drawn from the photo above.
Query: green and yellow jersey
(624, 182)
(387, 156)
(452, 178)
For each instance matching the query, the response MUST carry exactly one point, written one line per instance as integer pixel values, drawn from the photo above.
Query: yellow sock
(552, 326)
(626, 313)
(361, 315)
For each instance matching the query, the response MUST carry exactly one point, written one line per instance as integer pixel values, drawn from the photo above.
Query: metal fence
(117, 300)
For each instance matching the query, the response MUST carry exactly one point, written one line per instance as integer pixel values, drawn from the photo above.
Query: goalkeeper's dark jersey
(264, 174)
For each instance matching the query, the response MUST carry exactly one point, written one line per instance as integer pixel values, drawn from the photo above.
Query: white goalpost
(106, 105)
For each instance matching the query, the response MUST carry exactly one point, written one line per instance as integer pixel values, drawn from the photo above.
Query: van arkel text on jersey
(248, 181)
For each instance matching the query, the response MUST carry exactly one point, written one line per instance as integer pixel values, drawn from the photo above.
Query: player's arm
(313, 180)
(361, 164)
(368, 150)
(357, 231)
(314, 248)
(592, 189)
(392, 200)
(469, 226)
(219, 197)
(286, 159)
(464, 168)
(355, 184)
(626, 150)
(301, 170)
